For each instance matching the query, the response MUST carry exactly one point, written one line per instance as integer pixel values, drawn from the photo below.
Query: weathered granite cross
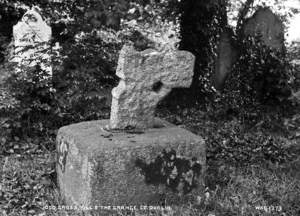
(146, 78)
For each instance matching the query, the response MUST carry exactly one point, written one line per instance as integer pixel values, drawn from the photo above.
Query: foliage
(31, 107)
(258, 135)
(260, 76)
(86, 76)
(26, 184)
(241, 148)
(294, 56)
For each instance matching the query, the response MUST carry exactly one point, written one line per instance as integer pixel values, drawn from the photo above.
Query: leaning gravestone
(111, 162)
(31, 41)
(226, 57)
(268, 25)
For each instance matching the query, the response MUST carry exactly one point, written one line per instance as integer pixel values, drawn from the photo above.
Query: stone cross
(146, 78)
(31, 40)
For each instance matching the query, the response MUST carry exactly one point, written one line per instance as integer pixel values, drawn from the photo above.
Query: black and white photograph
(149, 107)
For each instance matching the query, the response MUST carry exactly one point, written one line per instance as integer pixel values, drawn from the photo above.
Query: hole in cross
(156, 87)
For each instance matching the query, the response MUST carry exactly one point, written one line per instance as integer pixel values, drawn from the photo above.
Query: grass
(252, 187)
(249, 189)
(245, 190)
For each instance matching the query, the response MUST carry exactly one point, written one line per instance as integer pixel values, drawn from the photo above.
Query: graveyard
(163, 108)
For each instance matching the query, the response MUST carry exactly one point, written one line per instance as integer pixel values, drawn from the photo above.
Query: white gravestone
(31, 40)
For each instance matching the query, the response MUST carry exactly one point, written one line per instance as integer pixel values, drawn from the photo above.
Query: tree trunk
(201, 23)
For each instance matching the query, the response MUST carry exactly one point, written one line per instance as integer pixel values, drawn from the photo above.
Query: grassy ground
(252, 170)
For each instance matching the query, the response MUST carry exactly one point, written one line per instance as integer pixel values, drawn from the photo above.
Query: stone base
(96, 167)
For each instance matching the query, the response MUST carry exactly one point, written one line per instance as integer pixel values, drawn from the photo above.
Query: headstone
(226, 57)
(146, 78)
(31, 41)
(267, 24)
(122, 165)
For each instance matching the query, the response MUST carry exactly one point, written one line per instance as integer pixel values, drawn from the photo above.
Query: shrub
(240, 146)
(260, 76)
(86, 76)
(31, 102)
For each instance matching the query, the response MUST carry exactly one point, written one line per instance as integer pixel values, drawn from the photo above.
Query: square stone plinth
(96, 167)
